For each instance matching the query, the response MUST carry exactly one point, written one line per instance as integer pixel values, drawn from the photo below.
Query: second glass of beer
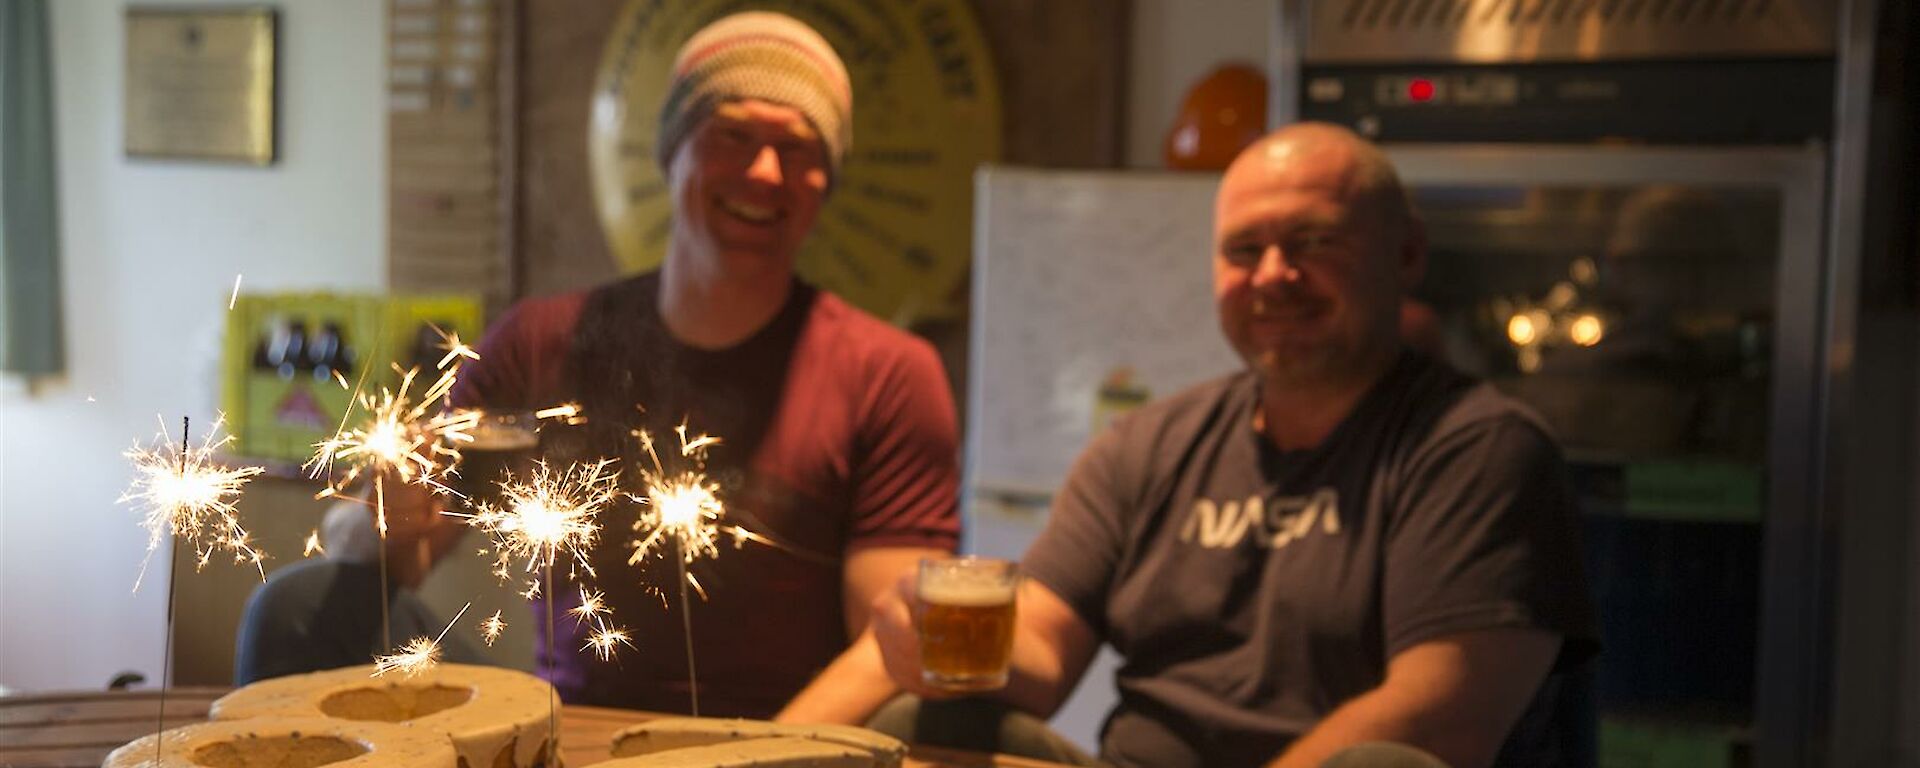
(966, 621)
(504, 442)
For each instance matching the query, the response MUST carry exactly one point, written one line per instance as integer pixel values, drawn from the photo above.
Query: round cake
(692, 740)
(492, 717)
(287, 742)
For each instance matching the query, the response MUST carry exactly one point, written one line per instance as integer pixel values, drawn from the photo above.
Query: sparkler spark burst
(593, 604)
(490, 629)
(186, 493)
(313, 545)
(416, 441)
(450, 341)
(551, 514)
(566, 413)
(681, 506)
(604, 639)
(418, 655)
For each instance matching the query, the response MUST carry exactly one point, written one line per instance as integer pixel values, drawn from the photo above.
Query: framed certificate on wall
(200, 84)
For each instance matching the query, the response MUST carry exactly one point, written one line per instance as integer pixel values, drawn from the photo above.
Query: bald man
(1345, 543)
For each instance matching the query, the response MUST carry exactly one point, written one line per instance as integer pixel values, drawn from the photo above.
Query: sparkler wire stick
(449, 626)
(380, 529)
(553, 664)
(166, 661)
(173, 585)
(686, 625)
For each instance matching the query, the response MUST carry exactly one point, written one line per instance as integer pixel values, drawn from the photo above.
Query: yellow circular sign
(895, 235)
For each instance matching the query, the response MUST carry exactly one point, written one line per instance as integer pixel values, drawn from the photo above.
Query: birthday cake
(492, 717)
(716, 743)
(287, 743)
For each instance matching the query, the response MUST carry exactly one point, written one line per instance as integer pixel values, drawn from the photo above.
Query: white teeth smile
(753, 213)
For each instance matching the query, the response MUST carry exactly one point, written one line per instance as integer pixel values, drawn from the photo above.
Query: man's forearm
(848, 691)
(1373, 716)
(1455, 697)
(1036, 681)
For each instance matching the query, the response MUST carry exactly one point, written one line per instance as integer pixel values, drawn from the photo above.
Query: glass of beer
(503, 442)
(966, 621)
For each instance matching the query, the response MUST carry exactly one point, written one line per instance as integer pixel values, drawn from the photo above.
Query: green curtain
(29, 221)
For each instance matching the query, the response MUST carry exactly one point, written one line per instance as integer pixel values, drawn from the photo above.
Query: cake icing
(287, 742)
(492, 717)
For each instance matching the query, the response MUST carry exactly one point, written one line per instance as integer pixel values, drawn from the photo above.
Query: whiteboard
(1077, 274)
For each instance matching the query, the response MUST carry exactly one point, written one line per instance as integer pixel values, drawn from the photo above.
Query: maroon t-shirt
(838, 434)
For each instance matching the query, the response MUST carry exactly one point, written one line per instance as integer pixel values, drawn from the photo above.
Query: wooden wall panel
(560, 245)
(1063, 79)
(446, 177)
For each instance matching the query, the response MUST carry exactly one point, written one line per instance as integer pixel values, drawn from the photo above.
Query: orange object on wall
(1222, 114)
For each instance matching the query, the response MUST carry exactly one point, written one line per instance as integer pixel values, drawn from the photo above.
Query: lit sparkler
(313, 545)
(681, 507)
(418, 655)
(186, 493)
(551, 514)
(412, 440)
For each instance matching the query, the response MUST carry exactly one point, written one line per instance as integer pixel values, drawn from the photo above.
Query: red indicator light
(1420, 89)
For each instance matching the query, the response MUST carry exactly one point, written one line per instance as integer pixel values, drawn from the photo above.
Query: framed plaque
(201, 83)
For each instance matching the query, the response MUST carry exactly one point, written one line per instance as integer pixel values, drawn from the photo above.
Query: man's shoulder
(1483, 407)
(1435, 402)
(554, 317)
(1184, 416)
(1203, 396)
(542, 317)
(848, 330)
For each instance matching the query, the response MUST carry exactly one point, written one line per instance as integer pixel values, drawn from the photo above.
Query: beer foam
(966, 593)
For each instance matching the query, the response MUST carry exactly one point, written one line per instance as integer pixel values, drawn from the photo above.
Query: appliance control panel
(1695, 102)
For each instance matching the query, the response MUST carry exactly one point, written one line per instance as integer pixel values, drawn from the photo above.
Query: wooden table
(77, 730)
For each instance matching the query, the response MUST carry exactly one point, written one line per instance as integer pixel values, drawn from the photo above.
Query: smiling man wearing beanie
(839, 440)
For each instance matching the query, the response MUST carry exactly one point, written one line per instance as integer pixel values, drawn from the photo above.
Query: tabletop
(77, 730)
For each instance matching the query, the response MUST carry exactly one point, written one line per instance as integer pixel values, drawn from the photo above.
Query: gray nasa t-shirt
(1252, 590)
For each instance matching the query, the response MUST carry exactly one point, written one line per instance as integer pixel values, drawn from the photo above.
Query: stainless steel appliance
(1659, 307)
(1628, 207)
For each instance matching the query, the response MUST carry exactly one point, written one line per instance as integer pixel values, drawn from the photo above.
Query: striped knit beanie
(758, 55)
